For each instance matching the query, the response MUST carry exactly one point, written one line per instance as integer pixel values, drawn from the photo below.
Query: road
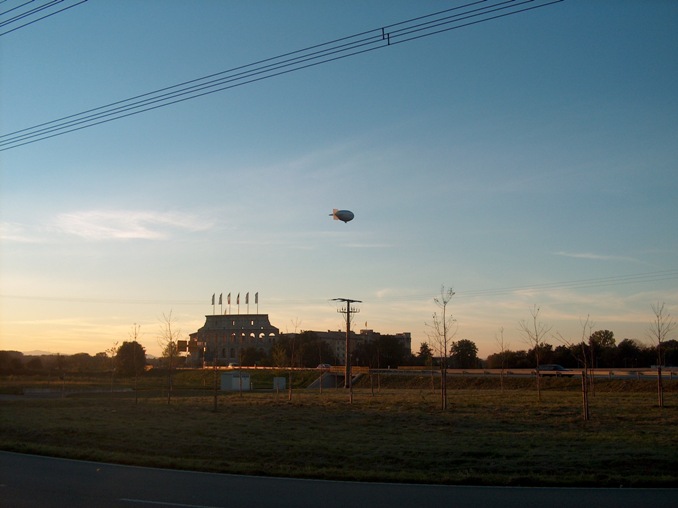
(31, 481)
(668, 374)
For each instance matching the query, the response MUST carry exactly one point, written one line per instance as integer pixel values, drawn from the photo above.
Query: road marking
(165, 503)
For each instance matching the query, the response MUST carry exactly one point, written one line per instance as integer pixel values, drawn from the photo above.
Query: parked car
(553, 369)
(233, 365)
(324, 366)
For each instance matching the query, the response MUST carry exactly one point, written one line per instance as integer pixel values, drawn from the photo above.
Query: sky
(530, 160)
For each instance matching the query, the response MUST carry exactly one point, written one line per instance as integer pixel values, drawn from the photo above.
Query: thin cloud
(127, 224)
(368, 245)
(595, 257)
(15, 232)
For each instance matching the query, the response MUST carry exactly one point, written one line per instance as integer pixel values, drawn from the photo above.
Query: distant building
(405, 338)
(223, 337)
(336, 340)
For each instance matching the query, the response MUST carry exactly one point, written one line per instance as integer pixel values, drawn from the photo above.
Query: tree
(533, 333)
(296, 323)
(544, 352)
(110, 352)
(582, 352)
(628, 353)
(101, 361)
(252, 356)
(564, 355)
(588, 380)
(168, 341)
(509, 359)
(502, 355)
(425, 358)
(464, 354)
(425, 354)
(130, 359)
(170, 352)
(310, 350)
(669, 350)
(659, 331)
(34, 364)
(602, 346)
(602, 338)
(443, 329)
(138, 358)
(279, 356)
(382, 351)
(8, 361)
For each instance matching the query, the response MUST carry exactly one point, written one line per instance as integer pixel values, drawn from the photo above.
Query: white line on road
(165, 503)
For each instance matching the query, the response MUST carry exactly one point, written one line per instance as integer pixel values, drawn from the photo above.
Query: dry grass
(486, 437)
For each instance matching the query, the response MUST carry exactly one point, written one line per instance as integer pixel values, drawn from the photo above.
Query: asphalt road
(34, 481)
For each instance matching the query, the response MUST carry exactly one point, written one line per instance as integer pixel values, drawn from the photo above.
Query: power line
(576, 284)
(640, 278)
(390, 35)
(23, 15)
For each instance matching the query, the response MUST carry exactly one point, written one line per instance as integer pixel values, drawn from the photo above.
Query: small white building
(235, 381)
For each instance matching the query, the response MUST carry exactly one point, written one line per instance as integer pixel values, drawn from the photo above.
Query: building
(405, 338)
(223, 338)
(336, 340)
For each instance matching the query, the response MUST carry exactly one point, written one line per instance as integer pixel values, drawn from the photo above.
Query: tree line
(601, 349)
(605, 353)
(307, 350)
(126, 360)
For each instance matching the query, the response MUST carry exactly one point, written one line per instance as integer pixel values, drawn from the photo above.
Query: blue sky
(529, 160)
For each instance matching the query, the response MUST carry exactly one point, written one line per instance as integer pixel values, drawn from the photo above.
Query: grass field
(487, 436)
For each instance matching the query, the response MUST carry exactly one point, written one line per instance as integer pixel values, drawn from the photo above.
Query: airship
(342, 215)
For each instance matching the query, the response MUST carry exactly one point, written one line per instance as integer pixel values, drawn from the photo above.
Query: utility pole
(348, 310)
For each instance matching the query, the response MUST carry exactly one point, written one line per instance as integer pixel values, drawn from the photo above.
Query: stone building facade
(224, 337)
